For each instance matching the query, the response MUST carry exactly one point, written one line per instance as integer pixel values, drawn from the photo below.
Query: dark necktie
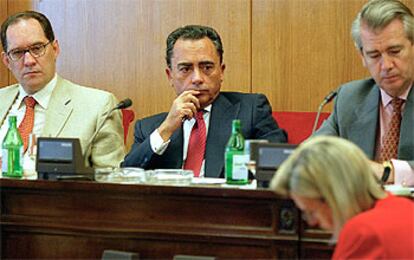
(389, 149)
(26, 126)
(196, 145)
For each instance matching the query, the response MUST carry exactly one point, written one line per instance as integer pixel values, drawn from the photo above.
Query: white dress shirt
(158, 145)
(403, 173)
(18, 108)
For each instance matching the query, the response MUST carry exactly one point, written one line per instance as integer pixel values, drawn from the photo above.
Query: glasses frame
(30, 50)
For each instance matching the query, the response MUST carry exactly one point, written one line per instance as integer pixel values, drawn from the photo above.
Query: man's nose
(386, 62)
(29, 60)
(197, 77)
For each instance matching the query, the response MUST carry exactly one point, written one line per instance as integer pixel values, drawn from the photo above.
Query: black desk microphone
(325, 101)
(121, 105)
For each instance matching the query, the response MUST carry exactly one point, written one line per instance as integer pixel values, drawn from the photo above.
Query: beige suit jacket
(76, 111)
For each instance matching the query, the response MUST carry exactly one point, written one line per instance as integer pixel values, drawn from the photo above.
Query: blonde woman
(331, 181)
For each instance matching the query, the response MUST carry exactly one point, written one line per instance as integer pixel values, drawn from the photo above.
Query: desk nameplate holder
(268, 157)
(61, 159)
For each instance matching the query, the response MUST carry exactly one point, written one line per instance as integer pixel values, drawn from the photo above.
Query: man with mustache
(49, 105)
(195, 69)
(377, 113)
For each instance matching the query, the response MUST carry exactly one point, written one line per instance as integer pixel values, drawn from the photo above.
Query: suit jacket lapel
(58, 111)
(364, 130)
(218, 134)
(405, 148)
(176, 147)
(7, 101)
(173, 156)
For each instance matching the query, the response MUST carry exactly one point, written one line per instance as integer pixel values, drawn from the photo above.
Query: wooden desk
(51, 219)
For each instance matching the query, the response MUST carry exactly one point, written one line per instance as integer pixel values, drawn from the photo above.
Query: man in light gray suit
(383, 33)
(62, 109)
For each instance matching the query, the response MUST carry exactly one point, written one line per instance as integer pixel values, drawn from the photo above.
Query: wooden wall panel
(4, 76)
(294, 51)
(301, 50)
(8, 7)
(119, 45)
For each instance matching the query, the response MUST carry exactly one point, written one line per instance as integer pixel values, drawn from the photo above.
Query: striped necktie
(26, 126)
(389, 148)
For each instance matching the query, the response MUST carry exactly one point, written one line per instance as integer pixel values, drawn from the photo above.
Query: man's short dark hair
(193, 32)
(26, 15)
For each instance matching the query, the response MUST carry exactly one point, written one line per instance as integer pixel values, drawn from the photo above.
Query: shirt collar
(42, 96)
(386, 99)
(206, 111)
(208, 108)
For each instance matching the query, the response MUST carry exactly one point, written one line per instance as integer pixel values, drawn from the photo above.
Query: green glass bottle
(12, 151)
(235, 158)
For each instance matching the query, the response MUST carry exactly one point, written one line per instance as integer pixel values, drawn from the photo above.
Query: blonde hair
(332, 169)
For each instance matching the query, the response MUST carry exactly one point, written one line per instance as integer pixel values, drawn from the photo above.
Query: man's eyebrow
(31, 45)
(397, 46)
(189, 64)
(181, 64)
(371, 52)
(206, 62)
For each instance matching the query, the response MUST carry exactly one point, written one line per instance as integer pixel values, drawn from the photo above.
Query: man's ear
(56, 48)
(5, 59)
(361, 55)
(223, 68)
(169, 75)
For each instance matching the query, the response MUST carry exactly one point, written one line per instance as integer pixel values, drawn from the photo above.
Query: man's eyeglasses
(36, 51)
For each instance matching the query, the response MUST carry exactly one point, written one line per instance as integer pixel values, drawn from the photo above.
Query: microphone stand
(325, 101)
(123, 104)
(107, 114)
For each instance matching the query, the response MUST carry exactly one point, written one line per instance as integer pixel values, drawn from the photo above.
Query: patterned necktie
(389, 149)
(196, 145)
(26, 126)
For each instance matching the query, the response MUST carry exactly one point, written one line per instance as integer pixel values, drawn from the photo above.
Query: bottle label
(240, 166)
(4, 160)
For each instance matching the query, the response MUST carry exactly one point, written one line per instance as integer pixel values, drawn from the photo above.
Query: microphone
(121, 105)
(325, 101)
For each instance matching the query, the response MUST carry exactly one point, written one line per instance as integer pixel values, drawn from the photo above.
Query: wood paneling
(15, 6)
(8, 7)
(294, 51)
(4, 77)
(120, 45)
(301, 50)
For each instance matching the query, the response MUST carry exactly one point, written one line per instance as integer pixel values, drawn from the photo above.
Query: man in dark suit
(195, 70)
(365, 110)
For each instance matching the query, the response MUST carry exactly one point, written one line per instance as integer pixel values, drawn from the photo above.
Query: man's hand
(378, 169)
(185, 106)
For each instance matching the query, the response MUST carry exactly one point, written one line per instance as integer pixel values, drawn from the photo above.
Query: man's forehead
(195, 49)
(24, 32)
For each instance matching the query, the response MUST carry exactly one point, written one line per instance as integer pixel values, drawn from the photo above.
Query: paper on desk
(400, 190)
(252, 185)
(208, 181)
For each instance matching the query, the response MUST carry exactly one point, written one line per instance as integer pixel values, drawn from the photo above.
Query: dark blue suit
(257, 122)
